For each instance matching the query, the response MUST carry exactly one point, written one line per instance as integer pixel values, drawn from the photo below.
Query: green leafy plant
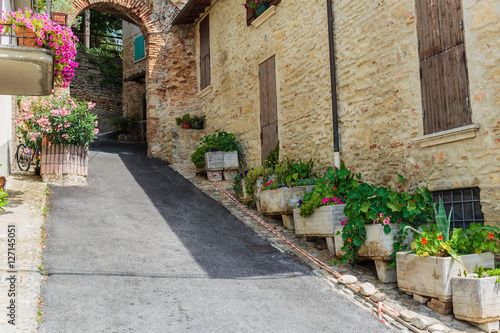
(273, 157)
(481, 272)
(185, 119)
(124, 123)
(64, 120)
(251, 180)
(219, 141)
(335, 183)
(237, 183)
(369, 204)
(3, 195)
(198, 122)
(255, 4)
(437, 240)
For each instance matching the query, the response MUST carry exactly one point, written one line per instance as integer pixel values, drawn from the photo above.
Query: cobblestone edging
(408, 316)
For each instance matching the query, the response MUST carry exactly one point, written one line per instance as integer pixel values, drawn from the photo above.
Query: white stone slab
(322, 223)
(431, 276)
(476, 300)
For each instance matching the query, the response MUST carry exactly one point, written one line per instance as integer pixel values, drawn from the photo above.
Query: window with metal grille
(465, 203)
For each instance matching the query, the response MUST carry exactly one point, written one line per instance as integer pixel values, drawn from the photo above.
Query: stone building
(418, 91)
(134, 73)
(415, 92)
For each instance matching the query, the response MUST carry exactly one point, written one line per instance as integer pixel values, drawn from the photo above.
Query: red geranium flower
(491, 235)
(440, 237)
(424, 241)
(348, 240)
(335, 189)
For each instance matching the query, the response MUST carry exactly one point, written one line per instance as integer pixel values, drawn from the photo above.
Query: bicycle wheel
(23, 157)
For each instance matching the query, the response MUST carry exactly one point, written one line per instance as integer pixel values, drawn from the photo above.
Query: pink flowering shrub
(64, 120)
(59, 39)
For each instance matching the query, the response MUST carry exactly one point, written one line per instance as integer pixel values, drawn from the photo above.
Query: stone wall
(87, 85)
(380, 108)
(299, 41)
(380, 100)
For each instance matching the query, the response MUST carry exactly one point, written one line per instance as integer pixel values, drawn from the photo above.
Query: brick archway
(170, 66)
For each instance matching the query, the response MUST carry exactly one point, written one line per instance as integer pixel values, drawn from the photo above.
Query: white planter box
(281, 201)
(221, 160)
(321, 223)
(476, 300)
(214, 160)
(431, 276)
(378, 245)
(230, 160)
(260, 182)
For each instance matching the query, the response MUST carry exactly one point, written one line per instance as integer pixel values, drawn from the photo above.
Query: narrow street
(141, 249)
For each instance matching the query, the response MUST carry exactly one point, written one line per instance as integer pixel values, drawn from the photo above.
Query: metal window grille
(466, 206)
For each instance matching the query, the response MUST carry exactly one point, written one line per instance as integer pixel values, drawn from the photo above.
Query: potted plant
(63, 127)
(198, 122)
(60, 10)
(476, 297)
(184, 121)
(239, 186)
(376, 221)
(281, 194)
(260, 6)
(3, 194)
(59, 39)
(218, 153)
(439, 254)
(322, 209)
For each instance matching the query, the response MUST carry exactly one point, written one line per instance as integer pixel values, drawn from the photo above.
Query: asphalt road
(141, 249)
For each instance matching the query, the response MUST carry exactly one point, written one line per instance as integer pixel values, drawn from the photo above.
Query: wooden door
(268, 106)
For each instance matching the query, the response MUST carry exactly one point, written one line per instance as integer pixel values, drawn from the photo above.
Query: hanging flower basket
(26, 37)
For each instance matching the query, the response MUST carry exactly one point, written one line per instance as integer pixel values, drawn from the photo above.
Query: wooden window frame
(205, 73)
(252, 15)
(444, 78)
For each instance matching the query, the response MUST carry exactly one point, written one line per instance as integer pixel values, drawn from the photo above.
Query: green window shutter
(139, 48)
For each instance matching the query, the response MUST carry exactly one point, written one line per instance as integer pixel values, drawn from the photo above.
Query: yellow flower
(425, 254)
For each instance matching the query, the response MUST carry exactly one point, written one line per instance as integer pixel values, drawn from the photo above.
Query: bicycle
(25, 156)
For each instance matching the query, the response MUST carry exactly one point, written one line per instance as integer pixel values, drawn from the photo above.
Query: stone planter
(431, 276)
(281, 201)
(322, 223)
(378, 246)
(477, 300)
(218, 161)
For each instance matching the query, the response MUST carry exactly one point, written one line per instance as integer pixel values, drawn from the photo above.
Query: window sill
(205, 92)
(140, 59)
(264, 16)
(452, 135)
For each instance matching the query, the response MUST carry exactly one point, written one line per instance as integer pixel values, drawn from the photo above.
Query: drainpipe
(336, 135)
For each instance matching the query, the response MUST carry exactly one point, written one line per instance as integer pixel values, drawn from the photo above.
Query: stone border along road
(422, 319)
(26, 201)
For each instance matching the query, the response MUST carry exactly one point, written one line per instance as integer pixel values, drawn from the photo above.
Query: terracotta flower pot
(26, 37)
(186, 125)
(59, 18)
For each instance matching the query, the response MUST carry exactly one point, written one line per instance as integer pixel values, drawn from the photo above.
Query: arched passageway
(170, 73)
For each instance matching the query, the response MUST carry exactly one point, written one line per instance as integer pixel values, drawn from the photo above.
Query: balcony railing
(112, 44)
(26, 70)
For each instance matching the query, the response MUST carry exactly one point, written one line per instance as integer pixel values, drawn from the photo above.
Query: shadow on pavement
(214, 237)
